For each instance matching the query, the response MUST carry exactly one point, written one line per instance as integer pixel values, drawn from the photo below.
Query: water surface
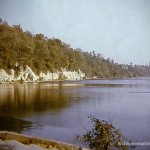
(59, 110)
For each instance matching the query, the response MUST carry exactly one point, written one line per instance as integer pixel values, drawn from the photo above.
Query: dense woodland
(19, 48)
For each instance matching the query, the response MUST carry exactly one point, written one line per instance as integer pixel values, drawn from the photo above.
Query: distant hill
(19, 48)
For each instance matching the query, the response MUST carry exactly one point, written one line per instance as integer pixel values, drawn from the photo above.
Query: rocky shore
(15, 141)
(26, 74)
(15, 145)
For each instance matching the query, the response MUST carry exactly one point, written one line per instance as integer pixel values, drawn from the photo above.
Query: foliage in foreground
(103, 136)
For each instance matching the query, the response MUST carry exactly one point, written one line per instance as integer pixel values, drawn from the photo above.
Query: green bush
(102, 136)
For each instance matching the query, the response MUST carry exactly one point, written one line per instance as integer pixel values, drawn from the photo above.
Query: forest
(21, 48)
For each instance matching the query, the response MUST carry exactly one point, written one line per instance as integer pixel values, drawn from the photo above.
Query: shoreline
(59, 81)
(45, 144)
(27, 75)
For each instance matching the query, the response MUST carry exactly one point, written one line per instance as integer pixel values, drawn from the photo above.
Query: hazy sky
(119, 29)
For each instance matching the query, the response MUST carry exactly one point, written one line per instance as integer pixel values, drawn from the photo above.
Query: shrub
(102, 136)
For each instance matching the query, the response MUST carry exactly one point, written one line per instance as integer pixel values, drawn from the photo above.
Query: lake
(59, 110)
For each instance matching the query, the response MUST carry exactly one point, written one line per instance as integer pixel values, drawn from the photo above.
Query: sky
(118, 29)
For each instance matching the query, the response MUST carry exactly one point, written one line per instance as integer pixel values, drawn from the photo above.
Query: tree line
(20, 48)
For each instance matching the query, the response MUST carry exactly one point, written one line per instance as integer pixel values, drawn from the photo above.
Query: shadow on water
(8, 123)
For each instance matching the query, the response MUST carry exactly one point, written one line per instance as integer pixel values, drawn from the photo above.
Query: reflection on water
(59, 110)
(13, 124)
(18, 99)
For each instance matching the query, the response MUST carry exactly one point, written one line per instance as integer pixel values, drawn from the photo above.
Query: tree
(103, 136)
(1, 20)
(43, 54)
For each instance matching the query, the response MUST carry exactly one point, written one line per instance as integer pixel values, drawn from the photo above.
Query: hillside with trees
(21, 48)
